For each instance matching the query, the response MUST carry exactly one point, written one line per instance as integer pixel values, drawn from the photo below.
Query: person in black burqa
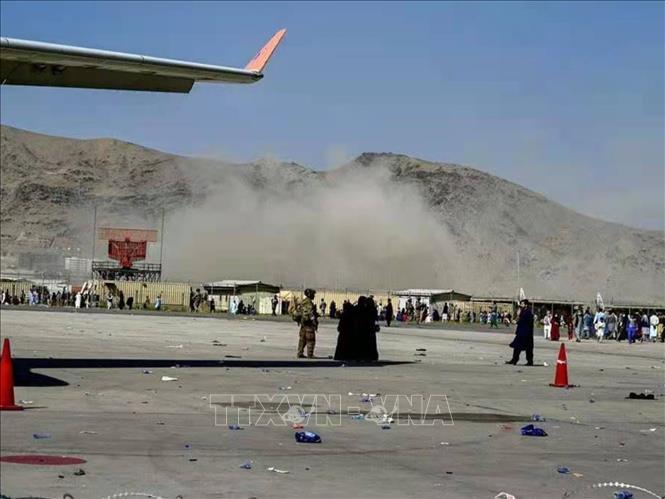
(523, 335)
(389, 312)
(357, 331)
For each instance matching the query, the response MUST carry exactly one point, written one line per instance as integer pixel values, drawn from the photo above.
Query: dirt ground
(93, 384)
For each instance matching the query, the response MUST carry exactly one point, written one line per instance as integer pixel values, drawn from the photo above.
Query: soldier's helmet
(309, 293)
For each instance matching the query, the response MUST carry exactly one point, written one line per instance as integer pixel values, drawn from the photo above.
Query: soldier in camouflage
(309, 323)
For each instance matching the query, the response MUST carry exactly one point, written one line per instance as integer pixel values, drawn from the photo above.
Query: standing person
(599, 324)
(494, 317)
(611, 321)
(653, 323)
(578, 322)
(587, 327)
(121, 300)
(547, 325)
(444, 314)
(109, 301)
(146, 303)
(632, 328)
(130, 302)
(273, 303)
(554, 333)
(622, 327)
(309, 322)
(322, 308)
(389, 312)
(78, 300)
(211, 304)
(523, 340)
(644, 323)
(571, 327)
(333, 310)
(158, 302)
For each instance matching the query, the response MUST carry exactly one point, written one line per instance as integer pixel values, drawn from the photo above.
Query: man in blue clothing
(523, 335)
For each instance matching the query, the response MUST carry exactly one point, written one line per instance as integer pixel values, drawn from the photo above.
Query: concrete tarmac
(96, 389)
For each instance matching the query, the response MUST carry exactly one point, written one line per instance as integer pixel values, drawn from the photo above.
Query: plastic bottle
(307, 437)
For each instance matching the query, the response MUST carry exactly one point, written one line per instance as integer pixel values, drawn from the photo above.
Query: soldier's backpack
(295, 309)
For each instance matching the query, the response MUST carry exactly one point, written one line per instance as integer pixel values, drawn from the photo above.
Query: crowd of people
(604, 324)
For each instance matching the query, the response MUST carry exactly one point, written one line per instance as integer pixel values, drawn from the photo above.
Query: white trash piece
(169, 378)
(275, 470)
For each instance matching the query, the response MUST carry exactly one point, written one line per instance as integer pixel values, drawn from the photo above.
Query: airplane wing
(26, 62)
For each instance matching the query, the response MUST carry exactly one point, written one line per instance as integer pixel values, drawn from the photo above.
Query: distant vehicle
(27, 62)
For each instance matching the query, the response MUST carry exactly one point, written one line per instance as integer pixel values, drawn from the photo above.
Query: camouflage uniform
(308, 326)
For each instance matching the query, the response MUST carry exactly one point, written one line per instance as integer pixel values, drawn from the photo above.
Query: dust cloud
(353, 229)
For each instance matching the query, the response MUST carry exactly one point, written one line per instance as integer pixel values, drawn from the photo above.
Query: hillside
(384, 220)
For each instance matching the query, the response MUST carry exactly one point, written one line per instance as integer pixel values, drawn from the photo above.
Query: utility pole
(161, 248)
(94, 239)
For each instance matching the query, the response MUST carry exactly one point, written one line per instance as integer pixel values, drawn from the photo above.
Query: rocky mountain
(382, 221)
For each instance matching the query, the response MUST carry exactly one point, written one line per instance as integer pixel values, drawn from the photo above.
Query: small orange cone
(7, 402)
(561, 372)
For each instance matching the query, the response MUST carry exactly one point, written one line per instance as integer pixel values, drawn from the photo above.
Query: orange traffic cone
(561, 372)
(7, 402)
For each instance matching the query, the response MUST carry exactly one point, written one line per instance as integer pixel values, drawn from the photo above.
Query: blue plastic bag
(308, 437)
(532, 431)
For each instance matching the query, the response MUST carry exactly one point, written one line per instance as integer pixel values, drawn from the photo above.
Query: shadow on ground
(23, 375)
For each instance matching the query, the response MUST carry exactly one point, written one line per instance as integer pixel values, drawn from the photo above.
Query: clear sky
(564, 98)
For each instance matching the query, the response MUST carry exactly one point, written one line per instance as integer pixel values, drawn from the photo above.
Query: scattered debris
(386, 419)
(563, 470)
(174, 346)
(297, 426)
(235, 427)
(247, 465)
(532, 431)
(504, 495)
(421, 349)
(647, 431)
(357, 416)
(537, 417)
(623, 494)
(169, 378)
(275, 470)
(420, 354)
(87, 432)
(232, 357)
(445, 443)
(79, 472)
(308, 437)
(641, 396)
(385, 427)
(263, 340)
(39, 436)
(622, 460)
(25, 402)
(147, 371)
(285, 388)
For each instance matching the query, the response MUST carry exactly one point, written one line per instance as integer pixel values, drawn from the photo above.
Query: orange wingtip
(258, 63)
